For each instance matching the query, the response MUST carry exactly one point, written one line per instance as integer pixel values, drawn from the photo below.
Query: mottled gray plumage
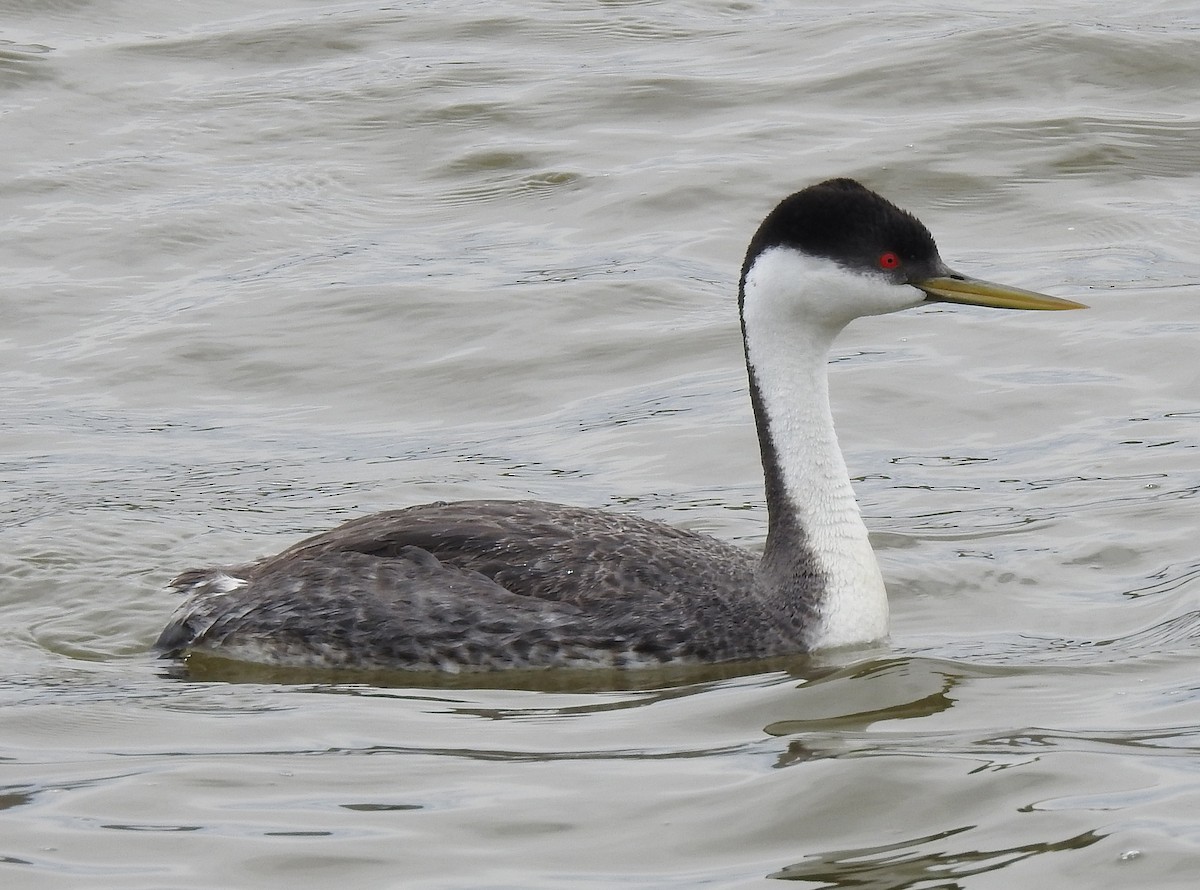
(488, 584)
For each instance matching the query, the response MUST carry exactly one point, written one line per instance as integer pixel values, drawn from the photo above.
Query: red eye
(889, 260)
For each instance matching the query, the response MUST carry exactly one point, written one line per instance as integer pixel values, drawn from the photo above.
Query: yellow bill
(955, 288)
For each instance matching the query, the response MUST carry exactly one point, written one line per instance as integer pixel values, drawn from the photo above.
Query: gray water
(268, 266)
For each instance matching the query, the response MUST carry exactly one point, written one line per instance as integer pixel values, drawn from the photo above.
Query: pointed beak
(950, 287)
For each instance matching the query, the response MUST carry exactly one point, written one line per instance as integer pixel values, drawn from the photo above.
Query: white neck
(788, 335)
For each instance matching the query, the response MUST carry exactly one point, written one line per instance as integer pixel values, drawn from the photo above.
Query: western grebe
(519, 584)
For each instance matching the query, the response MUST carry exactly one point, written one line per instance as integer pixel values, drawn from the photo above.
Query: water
(270, 266)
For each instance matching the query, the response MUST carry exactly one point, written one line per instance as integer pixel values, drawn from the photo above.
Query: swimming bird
(492, 584)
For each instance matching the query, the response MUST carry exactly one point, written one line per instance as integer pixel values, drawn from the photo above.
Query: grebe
(519, 584)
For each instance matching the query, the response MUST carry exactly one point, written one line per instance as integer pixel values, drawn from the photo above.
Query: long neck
(818, 564)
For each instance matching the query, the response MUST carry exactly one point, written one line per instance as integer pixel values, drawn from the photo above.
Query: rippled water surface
(267, 266)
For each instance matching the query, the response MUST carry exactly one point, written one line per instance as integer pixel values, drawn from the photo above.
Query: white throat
(794, 306)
